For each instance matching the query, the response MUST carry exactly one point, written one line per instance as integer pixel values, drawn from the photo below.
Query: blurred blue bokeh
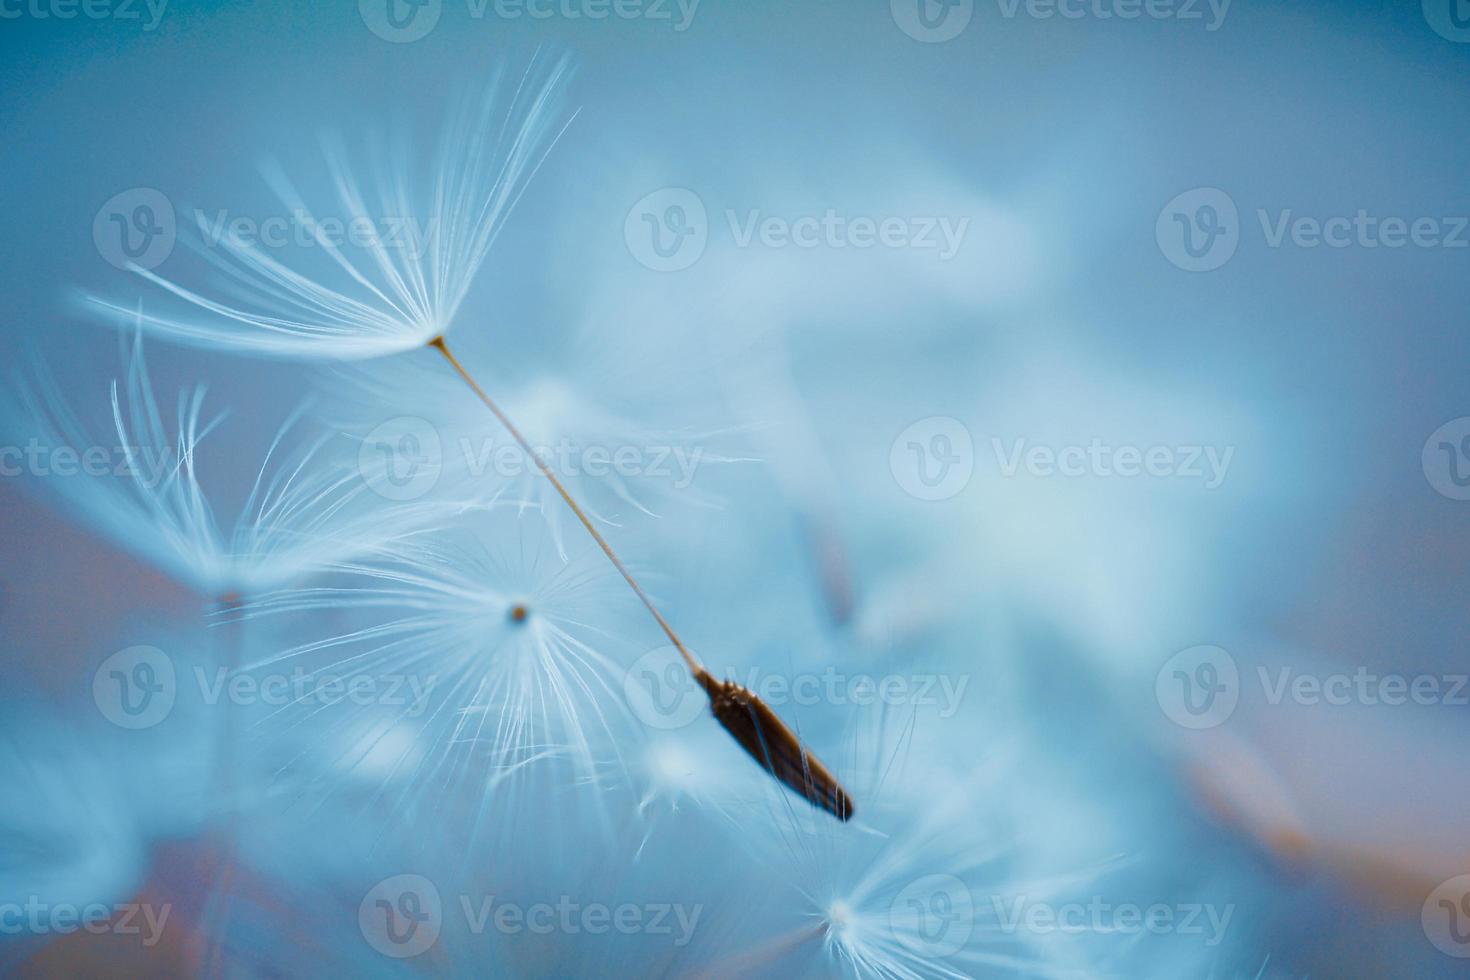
(1078, 165)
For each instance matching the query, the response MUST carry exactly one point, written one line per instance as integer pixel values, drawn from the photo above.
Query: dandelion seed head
(397, 296)
(307, 506)
(492, 628)
(839, 917)
(902, 892)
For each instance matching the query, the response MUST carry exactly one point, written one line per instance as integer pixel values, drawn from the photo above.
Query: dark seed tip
(768, 740)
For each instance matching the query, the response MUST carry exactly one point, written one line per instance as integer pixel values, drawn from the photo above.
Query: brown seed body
(775, 746)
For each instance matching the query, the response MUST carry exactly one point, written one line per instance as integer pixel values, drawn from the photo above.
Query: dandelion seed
(745, 716)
